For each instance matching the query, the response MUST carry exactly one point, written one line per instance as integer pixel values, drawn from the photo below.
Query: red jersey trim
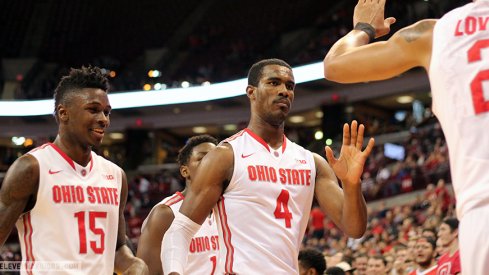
(40, 147)
(30, 260)
(235, 136)
(91, 162)
(257, 138)
(260, 140)
(284, 144)
(228, 265)
(68, 159)
(174, 199)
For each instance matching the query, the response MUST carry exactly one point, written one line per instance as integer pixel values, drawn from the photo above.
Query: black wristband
(367, 28)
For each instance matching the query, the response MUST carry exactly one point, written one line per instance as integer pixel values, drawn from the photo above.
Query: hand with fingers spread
(372, 12)
(348, 167)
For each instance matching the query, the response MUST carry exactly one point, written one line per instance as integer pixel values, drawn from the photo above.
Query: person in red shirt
(317, 222)
(425, 256)
(449, 262)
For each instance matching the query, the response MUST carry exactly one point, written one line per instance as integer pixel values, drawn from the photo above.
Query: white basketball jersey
(204, 247)
(263, 213)
(459, 76)
(72, 228)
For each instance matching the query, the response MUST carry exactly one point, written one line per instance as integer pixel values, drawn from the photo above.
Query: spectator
(311, 262)
(449, 262)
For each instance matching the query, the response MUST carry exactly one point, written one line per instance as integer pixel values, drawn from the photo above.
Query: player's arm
(19, 186)
(352, 59)
(125, 261)
(207, 186)
(149, 247)
(346, 206)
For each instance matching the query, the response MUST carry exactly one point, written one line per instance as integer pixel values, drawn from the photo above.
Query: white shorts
(474, 241)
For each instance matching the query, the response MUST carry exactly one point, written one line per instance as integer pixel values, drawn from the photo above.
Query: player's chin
(96, 141)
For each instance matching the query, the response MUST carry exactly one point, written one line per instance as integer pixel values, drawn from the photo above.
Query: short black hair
(452, 222)
(430, 240)
(430, 231)
(184, 153)
(77, 79)
(312, 258)
(334, 270)
(255, 72)
(379, 257)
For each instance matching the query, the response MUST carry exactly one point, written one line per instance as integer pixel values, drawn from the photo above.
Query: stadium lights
(318, 135)
(297, 119)
(137, 99)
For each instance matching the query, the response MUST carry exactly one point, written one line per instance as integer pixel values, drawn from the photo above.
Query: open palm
(348, 167)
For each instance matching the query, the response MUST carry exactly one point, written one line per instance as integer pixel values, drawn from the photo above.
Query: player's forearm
(8, 216)
(354, 216)
(176, 244)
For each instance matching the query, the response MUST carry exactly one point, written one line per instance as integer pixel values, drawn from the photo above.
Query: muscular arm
(124, 259)
(207, 186)
(20, 184)
(352, 60)
(149, 248)
(346, 207)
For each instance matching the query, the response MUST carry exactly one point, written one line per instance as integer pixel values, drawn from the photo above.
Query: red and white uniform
(73, 225)
(264, 211)
(459, 76)
(204, 247)
(449, 265)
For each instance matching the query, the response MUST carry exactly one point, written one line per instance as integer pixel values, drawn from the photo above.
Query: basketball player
(203, 250)
(66, 201)
(454, 52)
(262, 186)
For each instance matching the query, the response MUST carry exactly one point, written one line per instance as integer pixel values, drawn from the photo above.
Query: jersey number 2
(282, 209)
(480, 104)
(82, 232)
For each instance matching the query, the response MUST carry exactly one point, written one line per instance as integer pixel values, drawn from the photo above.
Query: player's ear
(250, 91)
(62, 112)
(184, 171)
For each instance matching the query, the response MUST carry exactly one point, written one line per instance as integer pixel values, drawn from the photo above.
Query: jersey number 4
(474, 55)
(282, 209)
(82, 231)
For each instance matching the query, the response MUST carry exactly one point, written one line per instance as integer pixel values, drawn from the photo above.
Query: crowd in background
(215, 53)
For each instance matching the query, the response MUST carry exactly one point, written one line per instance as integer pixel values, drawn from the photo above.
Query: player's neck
(78, 154)
(273, 136)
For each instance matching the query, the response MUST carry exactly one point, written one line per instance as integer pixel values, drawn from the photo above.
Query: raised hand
(372, 12)
(348, 167)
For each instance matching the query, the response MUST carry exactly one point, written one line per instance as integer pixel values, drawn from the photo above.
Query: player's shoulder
(22, 176)
(222, 150)
(25, 164)
(160, 212)
(418, 29)
(298, 149)
(160, 216)
(104, 161)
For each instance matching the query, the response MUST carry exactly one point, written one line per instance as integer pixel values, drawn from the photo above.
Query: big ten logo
(301, 161)
(108, 177)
